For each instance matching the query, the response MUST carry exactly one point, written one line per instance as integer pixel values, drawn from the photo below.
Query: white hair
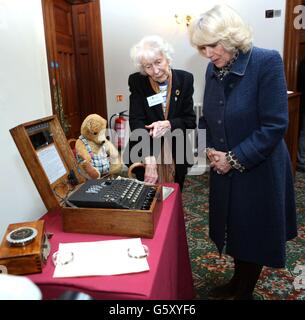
(148, 48)
(223, 25)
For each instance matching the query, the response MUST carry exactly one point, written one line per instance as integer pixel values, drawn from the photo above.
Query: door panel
(65, 55)
(89, 57)
(81, 17)
(76, 85)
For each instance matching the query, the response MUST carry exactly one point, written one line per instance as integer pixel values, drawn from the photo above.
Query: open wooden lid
(48, 157)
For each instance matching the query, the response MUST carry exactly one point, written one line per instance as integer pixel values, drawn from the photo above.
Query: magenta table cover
(169, 277)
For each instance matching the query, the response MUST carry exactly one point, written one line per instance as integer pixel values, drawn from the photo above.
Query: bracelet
(62, 258)
(233, 161)
(132, 253)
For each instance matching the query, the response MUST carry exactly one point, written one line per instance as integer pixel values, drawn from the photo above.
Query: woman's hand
(157, 129)
(210, 155)
(219, 162)
(151, 173)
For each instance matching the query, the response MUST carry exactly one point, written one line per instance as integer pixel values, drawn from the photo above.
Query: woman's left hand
(219, 162)
(157, 129)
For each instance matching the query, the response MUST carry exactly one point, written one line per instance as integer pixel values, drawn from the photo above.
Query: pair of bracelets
(233, 161)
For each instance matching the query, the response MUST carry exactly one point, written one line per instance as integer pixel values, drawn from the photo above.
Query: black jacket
(181, 114)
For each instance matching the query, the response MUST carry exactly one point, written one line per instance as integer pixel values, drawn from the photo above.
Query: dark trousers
(246, 275)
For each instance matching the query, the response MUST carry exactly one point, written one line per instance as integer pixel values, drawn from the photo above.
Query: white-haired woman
(251, 205)
(161, 101)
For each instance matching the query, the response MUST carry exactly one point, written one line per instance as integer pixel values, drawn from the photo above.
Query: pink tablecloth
(169, 277)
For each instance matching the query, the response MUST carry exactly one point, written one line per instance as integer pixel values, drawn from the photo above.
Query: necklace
(222, 72)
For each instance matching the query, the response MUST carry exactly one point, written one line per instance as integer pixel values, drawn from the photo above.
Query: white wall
(24, 86)
(124, 23)
(24, 96)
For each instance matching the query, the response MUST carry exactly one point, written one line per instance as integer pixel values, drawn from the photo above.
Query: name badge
(155, 99)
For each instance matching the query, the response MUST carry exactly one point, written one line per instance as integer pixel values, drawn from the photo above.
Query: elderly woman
(251, 205)
(161, 101)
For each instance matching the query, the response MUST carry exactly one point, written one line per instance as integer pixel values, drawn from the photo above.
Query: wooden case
(24, 259)
(50, 160)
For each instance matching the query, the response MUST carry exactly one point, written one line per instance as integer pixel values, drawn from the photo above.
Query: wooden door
(75, 60)
(294, 52)
(294, 44)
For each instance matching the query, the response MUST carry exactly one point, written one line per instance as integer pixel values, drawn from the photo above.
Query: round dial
(21, 236)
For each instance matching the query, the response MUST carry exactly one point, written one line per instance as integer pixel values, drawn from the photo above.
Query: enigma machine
(106, 206)
(119, 194)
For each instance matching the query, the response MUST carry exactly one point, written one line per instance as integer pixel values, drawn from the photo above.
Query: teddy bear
(96, 155)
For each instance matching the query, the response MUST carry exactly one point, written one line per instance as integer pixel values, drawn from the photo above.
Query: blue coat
(252, 213)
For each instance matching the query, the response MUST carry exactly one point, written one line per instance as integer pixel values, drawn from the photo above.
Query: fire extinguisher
(120, 124)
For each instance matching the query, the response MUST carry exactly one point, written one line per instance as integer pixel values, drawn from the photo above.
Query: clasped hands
(218, 161)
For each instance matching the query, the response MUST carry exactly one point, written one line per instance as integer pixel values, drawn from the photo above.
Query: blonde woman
(251, 206)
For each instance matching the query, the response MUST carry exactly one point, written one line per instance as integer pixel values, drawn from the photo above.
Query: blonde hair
(223, 25)
(148, 48)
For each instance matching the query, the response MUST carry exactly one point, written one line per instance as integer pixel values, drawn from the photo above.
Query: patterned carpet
(210, 270)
